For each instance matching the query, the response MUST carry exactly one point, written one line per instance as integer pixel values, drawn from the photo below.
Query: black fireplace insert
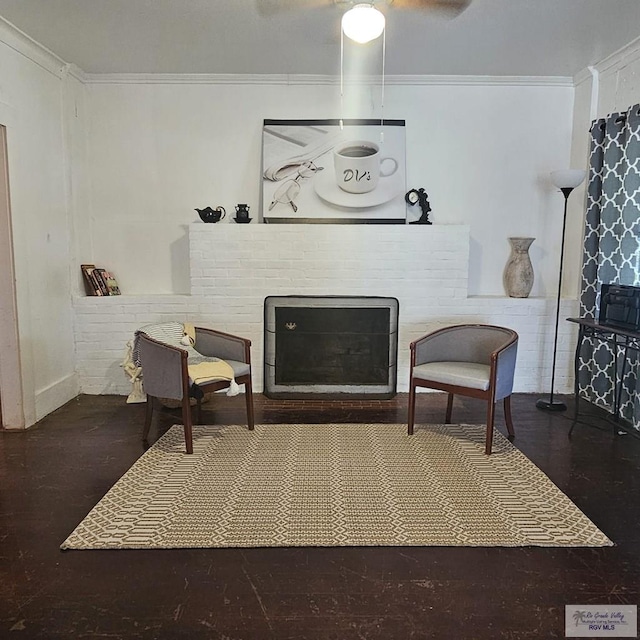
(330, 345)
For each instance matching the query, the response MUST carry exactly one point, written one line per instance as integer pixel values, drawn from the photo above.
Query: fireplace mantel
(330, 259)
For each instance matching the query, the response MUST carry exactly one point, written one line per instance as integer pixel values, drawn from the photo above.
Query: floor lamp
(566, 180)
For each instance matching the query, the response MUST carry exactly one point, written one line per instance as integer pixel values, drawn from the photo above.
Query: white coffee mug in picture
(359, 166)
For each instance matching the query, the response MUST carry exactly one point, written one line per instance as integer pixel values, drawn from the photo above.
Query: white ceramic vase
(518, 273)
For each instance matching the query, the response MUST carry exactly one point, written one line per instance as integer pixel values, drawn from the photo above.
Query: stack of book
(98, 281)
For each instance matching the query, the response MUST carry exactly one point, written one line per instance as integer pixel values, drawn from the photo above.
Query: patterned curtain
(611, 252)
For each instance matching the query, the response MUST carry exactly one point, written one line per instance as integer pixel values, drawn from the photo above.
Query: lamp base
(550, 405)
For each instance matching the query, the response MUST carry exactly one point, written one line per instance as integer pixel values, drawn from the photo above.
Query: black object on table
(617, 338)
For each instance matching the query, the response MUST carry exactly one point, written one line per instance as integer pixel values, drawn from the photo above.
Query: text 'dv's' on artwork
(320, 171)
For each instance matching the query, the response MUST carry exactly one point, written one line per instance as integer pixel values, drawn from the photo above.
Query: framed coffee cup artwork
(352, 171)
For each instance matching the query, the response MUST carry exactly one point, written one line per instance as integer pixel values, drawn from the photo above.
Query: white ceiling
(492, 37)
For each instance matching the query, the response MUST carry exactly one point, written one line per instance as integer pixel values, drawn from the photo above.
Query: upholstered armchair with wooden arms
(166, 372)
(472, 360)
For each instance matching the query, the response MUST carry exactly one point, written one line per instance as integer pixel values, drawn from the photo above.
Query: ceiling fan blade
(273, 7)
(452, 7)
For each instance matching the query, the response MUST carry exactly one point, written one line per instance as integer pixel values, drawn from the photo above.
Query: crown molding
(531, 81)
(621, 57)
(196, 78)
(76, 72)
(20, 42)
(615, 61)
(316, 80)
(582, 76)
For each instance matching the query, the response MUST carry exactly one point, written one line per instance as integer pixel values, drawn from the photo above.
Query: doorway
(11, 407)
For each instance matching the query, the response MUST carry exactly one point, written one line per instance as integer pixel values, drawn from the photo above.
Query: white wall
(109, 170)
(482, 148)
(31, 108)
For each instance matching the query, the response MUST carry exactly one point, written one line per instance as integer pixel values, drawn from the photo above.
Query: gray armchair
(472, 360)
(166, 375)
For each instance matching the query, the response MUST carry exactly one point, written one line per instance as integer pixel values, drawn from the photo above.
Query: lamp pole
(550, 405)
(566, 180)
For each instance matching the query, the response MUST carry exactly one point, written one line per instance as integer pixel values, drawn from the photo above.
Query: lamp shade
(568, 178)
(363, 23)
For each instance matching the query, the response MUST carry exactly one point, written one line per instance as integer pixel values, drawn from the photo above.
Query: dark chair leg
(491, 410)
(447, 419)
(198, 411)
(147, 418)
(186, 420)
(248, 398)
(412, 407)
(507, 416)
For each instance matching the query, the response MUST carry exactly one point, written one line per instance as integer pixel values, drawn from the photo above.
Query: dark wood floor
(53, 474)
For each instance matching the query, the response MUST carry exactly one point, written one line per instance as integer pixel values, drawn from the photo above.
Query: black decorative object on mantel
(242, 213)
(211, 215)
(422, 198)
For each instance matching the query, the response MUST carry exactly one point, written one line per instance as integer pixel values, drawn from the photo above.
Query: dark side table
(628, 341)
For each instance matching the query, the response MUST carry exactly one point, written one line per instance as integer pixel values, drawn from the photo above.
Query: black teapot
(211, 215)
(242, 213)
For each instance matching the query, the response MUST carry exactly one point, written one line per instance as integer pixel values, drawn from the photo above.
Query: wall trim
(11, 389)
(621, 57)
(584, 75)
(302, 79)
(19, 41)
(75, 72)
(56, 394)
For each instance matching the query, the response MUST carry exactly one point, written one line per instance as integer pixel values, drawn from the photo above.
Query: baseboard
(56, 394)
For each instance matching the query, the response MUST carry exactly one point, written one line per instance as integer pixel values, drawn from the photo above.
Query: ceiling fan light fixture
(363, 23)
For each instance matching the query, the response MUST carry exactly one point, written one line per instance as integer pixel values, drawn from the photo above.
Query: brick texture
(235, 267)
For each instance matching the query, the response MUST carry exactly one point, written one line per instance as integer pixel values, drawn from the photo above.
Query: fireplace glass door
(330, 345)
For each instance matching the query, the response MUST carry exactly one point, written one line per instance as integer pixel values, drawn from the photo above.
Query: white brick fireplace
(235, 267)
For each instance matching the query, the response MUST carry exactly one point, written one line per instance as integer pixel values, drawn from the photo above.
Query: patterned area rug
(333, 485)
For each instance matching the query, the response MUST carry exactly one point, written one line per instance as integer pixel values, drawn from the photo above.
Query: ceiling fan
(363, 21)
(449, 6)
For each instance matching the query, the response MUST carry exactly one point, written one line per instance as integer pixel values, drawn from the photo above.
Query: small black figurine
(422, 198)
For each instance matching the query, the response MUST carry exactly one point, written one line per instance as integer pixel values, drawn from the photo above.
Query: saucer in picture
(388, 188)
